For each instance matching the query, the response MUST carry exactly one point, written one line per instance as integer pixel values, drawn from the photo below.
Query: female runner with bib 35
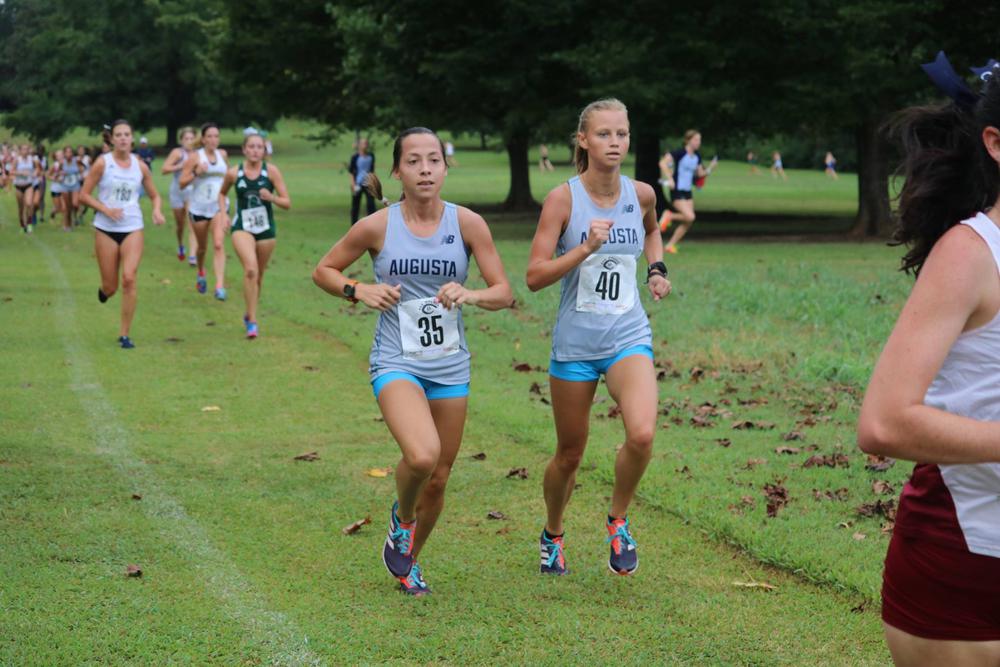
(596, 225)
(419, 361)
(258, 186)
(118, 241)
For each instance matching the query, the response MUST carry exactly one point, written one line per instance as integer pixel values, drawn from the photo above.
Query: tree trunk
(874, 216)
(519, 196)
(482, 140)
(647, 166)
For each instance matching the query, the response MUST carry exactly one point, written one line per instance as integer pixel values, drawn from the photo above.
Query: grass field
(240, 545)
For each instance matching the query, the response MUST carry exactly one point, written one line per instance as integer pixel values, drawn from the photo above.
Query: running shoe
(246, 319)
(665, 222)
(251, 329)
(126, 342)
(413, 583)
(101, 296)
(201, 283)
(30, 228)
(181, 253)
(192, 260)
(624, 559)
(220, 293)
(397, 554)
(553, 558)
(670, 250)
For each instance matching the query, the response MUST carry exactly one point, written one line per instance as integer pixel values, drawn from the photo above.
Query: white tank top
(24, 171)
(119, 188)
(205, 192)
(968, 384)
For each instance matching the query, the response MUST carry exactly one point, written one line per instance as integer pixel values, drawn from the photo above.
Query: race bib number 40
(255, 220)
(428, 329)
(607, 285)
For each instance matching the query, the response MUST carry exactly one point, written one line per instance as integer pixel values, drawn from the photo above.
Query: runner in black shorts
(258, 186)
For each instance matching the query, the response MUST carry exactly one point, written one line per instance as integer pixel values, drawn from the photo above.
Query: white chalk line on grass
(272, 631)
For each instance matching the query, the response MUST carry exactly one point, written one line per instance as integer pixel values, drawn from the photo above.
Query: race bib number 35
(255, 220)
(428, 329)
(607, 285)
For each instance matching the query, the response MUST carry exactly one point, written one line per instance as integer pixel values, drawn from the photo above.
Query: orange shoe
(670, 249)
(665, 221)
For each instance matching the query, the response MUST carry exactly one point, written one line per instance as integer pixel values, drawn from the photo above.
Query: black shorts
(680, 194)
(117, 237)
(23, 188)
(200, 218)
(56, 194)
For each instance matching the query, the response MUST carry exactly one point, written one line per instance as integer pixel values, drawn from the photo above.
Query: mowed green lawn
(240, 545)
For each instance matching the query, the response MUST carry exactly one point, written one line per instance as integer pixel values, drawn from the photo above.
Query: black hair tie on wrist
(656, 268)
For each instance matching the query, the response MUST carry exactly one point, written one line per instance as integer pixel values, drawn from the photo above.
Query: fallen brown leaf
(723, 442)
(701, 422)
(356, 526)
(136, 496)
(696, 374)
(777, 497)
(859, 536)
(793, 435)
(882, 488)
(211, 408)
(886, 508)
(311, 369)
(522, 367)
(787, 450)
(308, 456)
(133, 571)
(827, 460)
(496, 515)
(834, 494)
(753, 463)
(535, 388)
(755, 584)
(481, 456)
(518, 473)
(878, 463)
(379, 472)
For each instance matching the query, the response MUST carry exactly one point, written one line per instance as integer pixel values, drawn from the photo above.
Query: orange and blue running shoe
(624, 559)
(397, 554)
(200, 283)
(413, 583)
(665, 221)
(553, 558)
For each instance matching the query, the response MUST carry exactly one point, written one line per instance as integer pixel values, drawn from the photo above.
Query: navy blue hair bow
(954, 86)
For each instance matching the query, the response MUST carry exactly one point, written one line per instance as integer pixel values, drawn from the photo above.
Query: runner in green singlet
(259, 185)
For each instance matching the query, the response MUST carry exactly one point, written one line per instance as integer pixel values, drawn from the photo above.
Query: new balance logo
(448, 240)
(628, 208)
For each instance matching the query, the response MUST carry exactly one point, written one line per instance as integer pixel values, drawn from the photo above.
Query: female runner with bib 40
(419, 360)
(118, 242)
(596, 225)
(258, 186)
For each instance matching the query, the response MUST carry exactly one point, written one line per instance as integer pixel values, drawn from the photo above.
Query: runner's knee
(421, 463)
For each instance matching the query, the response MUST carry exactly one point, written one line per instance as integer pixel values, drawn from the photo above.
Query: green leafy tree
(154, 62)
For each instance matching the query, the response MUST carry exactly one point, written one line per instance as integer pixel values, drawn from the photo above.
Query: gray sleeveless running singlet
(417, 335)
(600, 313)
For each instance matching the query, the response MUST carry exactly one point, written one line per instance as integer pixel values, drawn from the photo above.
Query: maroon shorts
(936, 591)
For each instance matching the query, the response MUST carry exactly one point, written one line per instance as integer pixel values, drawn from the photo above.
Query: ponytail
(374, 187)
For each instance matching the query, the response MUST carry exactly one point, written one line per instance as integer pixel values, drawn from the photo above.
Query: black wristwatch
(656, 268)
(349, 291)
